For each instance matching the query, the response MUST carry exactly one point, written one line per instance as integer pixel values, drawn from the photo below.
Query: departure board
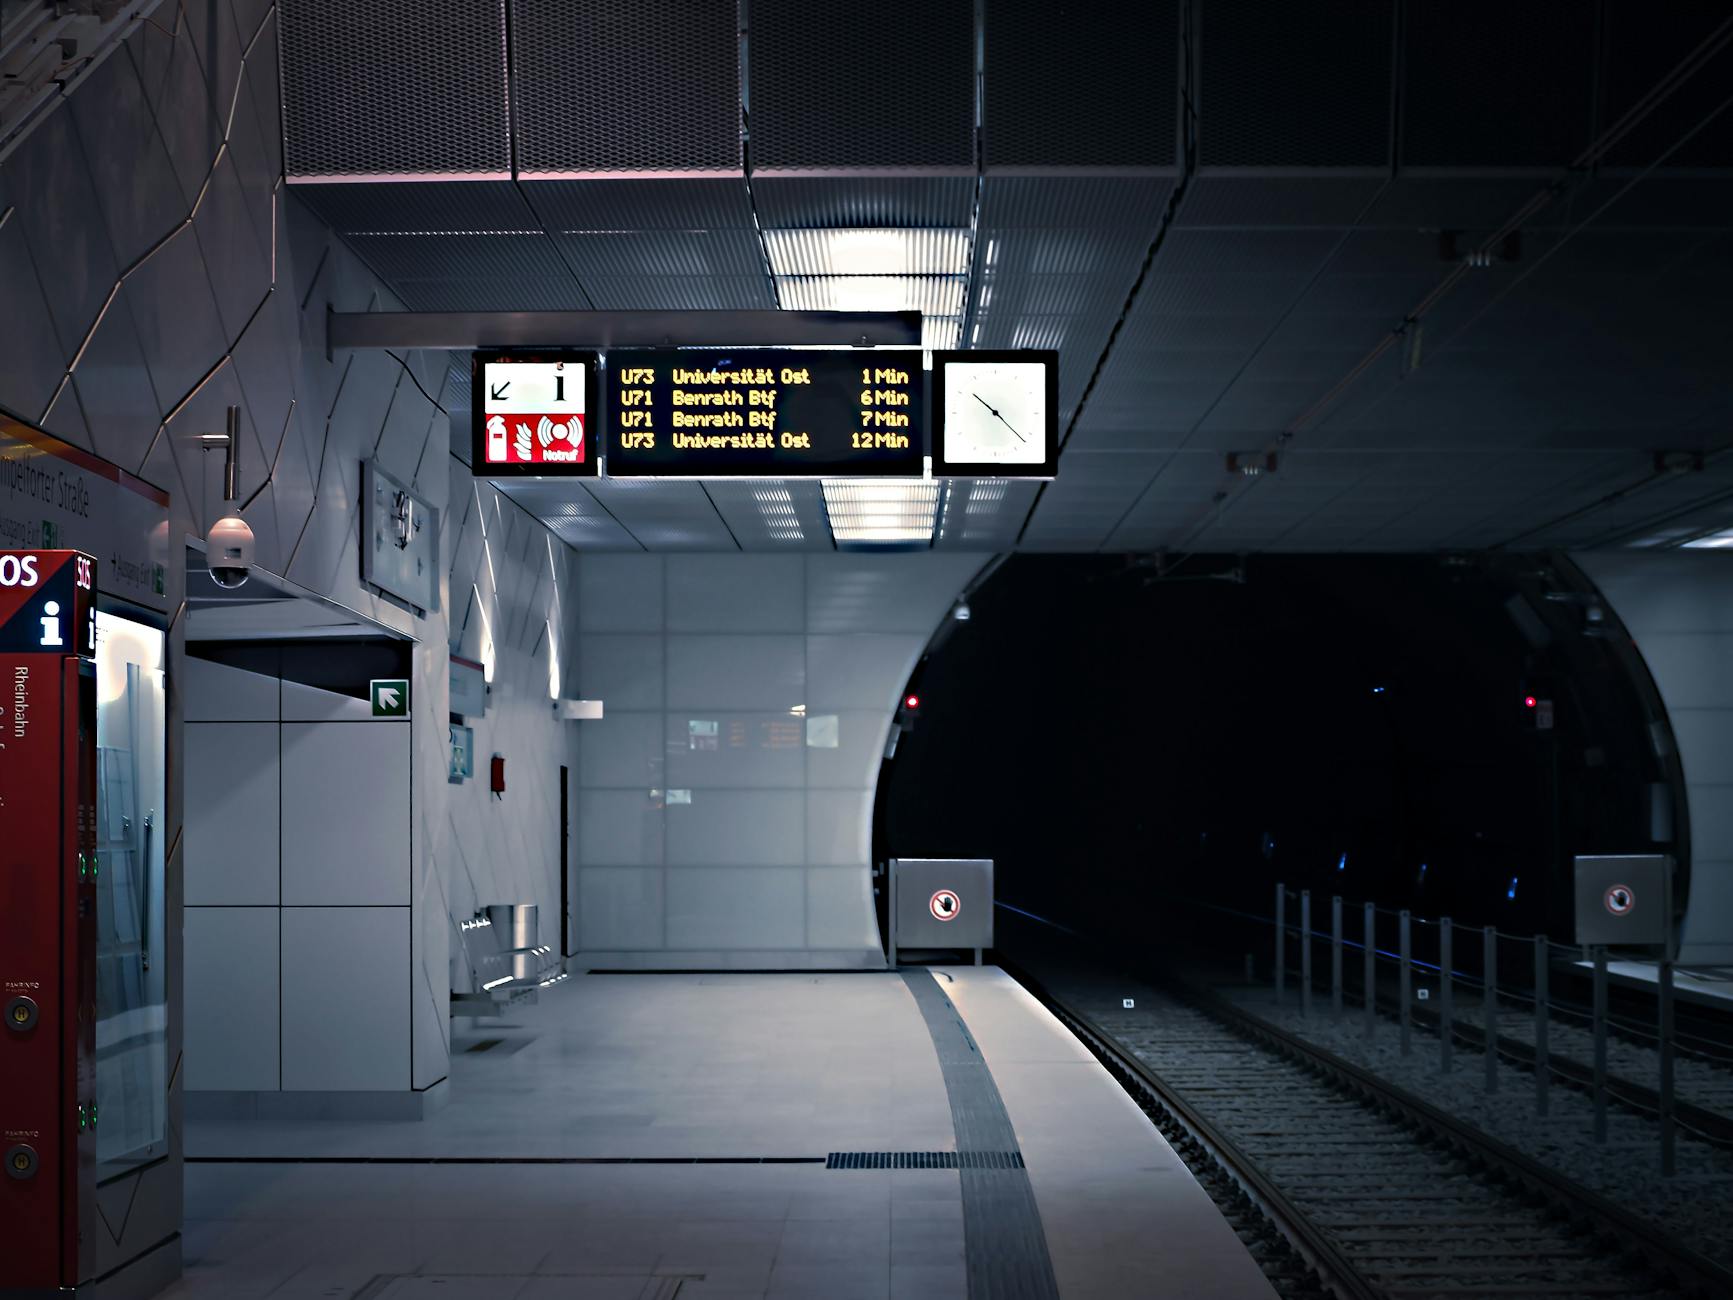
(785, 413)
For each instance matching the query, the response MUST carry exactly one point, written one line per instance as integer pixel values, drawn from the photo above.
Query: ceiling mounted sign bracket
(463, 330)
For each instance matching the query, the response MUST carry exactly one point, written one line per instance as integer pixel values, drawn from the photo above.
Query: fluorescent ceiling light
(1714, 541)
(881, 511)
(932, 295)
(867, 252)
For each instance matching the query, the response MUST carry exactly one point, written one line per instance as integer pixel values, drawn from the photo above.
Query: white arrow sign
(388, 697)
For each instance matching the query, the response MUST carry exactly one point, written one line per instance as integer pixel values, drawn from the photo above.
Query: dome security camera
(229, 551)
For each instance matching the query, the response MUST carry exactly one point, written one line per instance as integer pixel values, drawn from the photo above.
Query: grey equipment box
(1625, 900)
(941, 903)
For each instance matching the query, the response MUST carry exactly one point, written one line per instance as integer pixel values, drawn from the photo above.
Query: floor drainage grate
(924, 1160)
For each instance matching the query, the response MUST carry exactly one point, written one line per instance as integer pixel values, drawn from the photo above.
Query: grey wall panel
(770, 747)
(232, 998)
(346, 819)
(737, 672)
(711, 593)
(232, 772)
(624, 672)
(620, 908)
(736, 828)
(747, 907)
(333, 1040)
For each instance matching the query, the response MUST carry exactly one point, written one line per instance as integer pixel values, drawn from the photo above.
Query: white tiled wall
(1678, 606)
(709, 830)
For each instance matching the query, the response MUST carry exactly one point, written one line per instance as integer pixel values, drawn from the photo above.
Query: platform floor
(733, 1070)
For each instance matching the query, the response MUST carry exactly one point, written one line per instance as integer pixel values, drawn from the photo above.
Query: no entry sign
(1619, 899)
(945, 905)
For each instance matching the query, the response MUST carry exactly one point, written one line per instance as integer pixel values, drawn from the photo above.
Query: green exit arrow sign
(389, 696)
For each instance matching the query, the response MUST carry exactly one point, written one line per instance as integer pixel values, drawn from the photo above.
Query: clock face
(996, 412)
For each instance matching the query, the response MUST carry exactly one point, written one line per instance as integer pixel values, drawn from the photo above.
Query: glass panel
(131, 1015)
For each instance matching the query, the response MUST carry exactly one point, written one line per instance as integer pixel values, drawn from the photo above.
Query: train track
(1705, 1106)
(1375, 1192)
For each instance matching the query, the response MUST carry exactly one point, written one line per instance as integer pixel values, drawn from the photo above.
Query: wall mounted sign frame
(534, 413)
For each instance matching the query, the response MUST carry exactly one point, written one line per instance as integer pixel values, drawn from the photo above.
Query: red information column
(47, 915)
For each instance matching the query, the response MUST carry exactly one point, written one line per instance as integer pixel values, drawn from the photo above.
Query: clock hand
(1001, 419)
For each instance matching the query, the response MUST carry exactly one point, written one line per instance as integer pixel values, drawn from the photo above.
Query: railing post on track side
(1489, 973)
(1406, 986)
(1600, 1089)
(1305, 952)
(1542, 1058)
(1369, 955)
(1336, 954)
(1446, 998)
(1669, 1162)
(1281, 936)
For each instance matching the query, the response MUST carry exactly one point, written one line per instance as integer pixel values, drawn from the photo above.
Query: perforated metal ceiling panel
(1490, 84)
(837, 83)
(1646, 41)
(1535, 387)
(664, 515)
(394, 88)
(861, 202)
(574, 515)
(628, 204)
(1059, 256)
(984, 514)
(1081, 86)
(773, 514)
(427, 206)
(625, 86)
(1294, 85)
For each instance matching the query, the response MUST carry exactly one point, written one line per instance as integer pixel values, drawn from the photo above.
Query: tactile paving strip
(1004, 1244)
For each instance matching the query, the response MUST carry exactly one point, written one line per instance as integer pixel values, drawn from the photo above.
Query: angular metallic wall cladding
(394, 88)
(1294, 85)
(837, 83)
(1487, 84)
(1087, 86)
(626, 85)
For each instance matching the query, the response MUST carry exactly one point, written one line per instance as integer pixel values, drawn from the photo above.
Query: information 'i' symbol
(51, 624)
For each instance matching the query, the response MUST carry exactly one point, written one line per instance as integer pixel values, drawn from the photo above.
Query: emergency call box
(1624, 900)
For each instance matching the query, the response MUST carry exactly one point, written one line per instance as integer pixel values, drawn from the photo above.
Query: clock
(995, 414)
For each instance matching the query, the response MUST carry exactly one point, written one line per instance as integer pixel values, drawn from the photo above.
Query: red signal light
(1528, 701)
(912, 702)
